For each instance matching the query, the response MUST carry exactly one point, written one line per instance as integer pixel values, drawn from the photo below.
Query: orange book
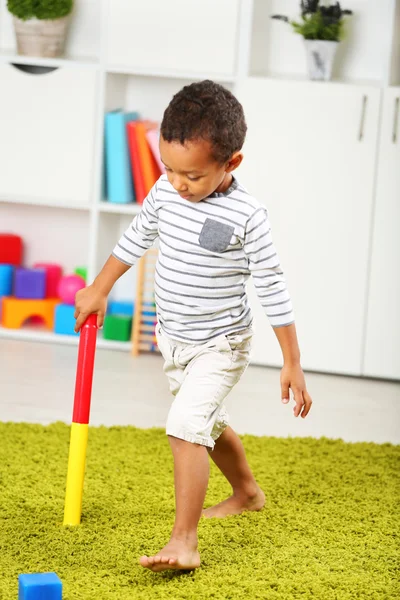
(136, 166)
(150, 169)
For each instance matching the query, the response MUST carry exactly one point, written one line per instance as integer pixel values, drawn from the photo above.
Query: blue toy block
(116, 307)
(6, 279)
(30, 283)
(39, 586)
(64, 321)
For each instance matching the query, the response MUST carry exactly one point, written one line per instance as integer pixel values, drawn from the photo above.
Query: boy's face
(191, 169)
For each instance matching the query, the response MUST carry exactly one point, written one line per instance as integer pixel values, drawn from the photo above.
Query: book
(150, 170)
(120, 189)
(136, 166)
(153, 138)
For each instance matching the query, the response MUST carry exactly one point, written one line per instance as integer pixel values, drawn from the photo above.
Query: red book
(149, 167)
(134, 155)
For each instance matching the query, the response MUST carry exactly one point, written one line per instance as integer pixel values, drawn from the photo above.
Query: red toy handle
(84, 370)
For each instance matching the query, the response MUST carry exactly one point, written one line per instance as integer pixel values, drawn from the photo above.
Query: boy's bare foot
(175, 555)
(235, 505)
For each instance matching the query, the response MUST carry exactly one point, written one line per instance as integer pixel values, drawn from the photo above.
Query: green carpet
(329, 530)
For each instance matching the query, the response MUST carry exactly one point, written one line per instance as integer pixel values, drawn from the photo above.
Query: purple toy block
(30, 283)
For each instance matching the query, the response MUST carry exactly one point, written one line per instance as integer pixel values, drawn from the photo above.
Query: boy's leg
(200, 378)
(191, 471)
(230, 457)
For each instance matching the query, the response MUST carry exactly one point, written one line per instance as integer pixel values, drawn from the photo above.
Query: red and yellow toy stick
(80, 422)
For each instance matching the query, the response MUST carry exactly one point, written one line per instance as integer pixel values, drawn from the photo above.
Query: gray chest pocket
(215, 236)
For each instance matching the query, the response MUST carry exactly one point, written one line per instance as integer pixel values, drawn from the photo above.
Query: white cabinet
(47, 124)
(382, 349)
(310, 157)
(178, 35)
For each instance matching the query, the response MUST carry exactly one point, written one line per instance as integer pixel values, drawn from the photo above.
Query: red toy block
(53, 275)
(11, 248)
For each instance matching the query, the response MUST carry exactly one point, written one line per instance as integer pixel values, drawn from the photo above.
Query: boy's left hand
(292, 377)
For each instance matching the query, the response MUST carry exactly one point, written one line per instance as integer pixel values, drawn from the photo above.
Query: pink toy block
(30, 283)
(11, 248)
(53, 275)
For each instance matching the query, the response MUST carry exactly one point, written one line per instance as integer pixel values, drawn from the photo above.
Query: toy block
(30, 283)
(6, 279)
(11, 249)
(54, 273)
(64, 319)
(116, 307)
(16, 311)
(117, 327)
(39, 586)
(82, 271)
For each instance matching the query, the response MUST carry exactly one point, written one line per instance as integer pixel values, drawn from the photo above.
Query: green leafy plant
(319, 22)
(41, 9)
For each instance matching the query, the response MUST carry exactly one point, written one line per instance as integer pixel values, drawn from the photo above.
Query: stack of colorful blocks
(42, 293)
(28, 285)
(38, 293)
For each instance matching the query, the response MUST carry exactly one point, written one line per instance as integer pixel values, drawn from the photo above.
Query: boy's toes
(144, 561)
(166, 563)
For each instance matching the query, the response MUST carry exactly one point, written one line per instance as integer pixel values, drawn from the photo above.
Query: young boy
(212, 236)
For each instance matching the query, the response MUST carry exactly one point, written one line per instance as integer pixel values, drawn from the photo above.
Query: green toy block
(82, 271)
(117, 327)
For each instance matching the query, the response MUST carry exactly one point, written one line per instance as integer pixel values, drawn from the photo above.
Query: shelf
(170, 73)
(31, 334)
(295, 77)
(65, 204)
(120, 209)
(87, 62)
(37, 61)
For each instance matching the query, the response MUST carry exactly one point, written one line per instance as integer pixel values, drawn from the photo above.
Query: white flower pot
(44, 38)
(320, 57)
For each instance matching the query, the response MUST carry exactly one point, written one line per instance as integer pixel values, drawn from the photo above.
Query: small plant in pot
(41, 26)
(322, 27)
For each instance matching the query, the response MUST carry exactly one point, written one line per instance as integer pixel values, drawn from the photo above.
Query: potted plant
(322, 27)
(40, 26)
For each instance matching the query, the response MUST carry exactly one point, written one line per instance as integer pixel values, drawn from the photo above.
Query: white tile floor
(37, 385)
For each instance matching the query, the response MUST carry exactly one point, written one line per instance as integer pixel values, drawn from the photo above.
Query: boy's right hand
(88, 301)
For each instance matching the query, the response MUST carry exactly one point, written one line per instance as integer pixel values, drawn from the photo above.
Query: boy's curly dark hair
(208, 111)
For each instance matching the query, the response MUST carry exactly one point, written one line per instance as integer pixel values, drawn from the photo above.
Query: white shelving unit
(136, 55)
(118, 81)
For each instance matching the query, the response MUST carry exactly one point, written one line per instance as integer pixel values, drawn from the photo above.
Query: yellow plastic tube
(76, 473)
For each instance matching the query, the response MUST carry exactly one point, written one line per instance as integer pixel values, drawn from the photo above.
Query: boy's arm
(271, 289)
(292, 375)
(266, 270)
(139, 236)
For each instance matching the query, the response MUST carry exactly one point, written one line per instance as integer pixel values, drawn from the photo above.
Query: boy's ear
(234, 162)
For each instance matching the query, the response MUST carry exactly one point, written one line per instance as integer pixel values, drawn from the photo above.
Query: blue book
(120, 188)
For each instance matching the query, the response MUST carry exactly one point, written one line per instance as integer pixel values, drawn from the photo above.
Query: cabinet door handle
(362, 118)
(395, 119)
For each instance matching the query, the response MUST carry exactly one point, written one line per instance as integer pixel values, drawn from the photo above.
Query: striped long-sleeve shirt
(207, 251)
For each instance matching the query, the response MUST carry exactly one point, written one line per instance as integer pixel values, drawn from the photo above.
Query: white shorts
(200, 377)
